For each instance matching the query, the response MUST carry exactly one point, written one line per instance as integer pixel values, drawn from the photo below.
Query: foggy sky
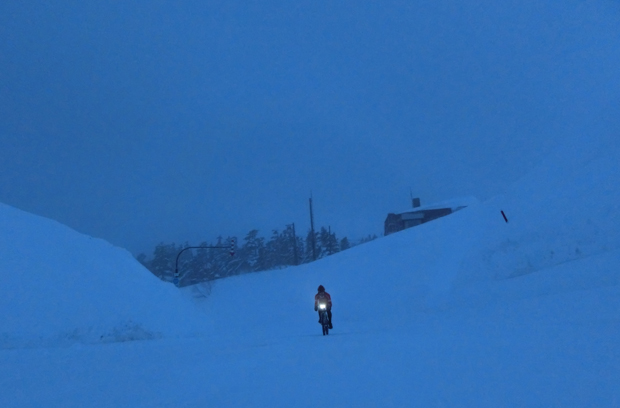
(148, 121)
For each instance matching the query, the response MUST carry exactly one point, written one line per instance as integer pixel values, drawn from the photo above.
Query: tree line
(253, 254)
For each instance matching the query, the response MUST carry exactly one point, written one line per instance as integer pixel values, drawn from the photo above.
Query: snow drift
(464, 311)
(59, 287)
(565, 210)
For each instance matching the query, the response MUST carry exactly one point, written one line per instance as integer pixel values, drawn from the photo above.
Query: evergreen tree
(311, 241)
(331, 244)
(290, 246)
(253, 252)
(282, 249)
(162, 264)
(368, 238)
(185, 263)
(272, 251)
(201, 265)
(300, 251)
(231, 265)
(323, 242)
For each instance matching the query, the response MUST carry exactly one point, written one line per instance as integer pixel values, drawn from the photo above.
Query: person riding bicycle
(323, 298)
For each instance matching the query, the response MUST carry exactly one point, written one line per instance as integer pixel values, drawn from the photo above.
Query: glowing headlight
(322, 306)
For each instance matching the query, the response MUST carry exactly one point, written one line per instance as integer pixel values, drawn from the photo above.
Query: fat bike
(324, 318)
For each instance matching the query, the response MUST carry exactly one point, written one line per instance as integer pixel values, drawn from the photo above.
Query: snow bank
(464, 311)
(564, 210)
(58, 287)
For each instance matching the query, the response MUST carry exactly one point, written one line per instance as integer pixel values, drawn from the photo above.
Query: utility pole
(312, 231)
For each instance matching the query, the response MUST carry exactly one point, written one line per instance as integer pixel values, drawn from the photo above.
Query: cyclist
(323, 298)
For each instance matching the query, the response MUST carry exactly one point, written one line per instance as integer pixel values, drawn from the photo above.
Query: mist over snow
(146, 122)
(464, 311)
(141, 122)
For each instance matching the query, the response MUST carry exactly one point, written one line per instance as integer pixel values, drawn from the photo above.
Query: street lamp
(231, 248)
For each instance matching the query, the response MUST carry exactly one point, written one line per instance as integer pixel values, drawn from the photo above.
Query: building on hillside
(419, 215)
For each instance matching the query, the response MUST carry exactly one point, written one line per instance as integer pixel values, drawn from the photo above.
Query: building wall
(398, 222)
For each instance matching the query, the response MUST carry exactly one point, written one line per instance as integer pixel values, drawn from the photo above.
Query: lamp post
(231, 247)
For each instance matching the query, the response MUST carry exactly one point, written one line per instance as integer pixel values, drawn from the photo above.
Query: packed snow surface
(464, 311)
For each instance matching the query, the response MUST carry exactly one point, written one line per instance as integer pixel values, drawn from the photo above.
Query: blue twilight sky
(145, 121)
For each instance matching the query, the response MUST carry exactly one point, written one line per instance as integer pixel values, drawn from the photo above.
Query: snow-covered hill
(464, 311)
(58, 287)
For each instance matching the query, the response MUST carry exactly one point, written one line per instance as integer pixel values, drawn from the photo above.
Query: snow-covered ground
(58, 287)
(465, 311)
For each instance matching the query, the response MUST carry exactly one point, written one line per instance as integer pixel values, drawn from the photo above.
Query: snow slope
(58, 287)
(464, 311)
(566, 209)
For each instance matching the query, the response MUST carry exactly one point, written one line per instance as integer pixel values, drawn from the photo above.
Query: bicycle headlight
(322, 307)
